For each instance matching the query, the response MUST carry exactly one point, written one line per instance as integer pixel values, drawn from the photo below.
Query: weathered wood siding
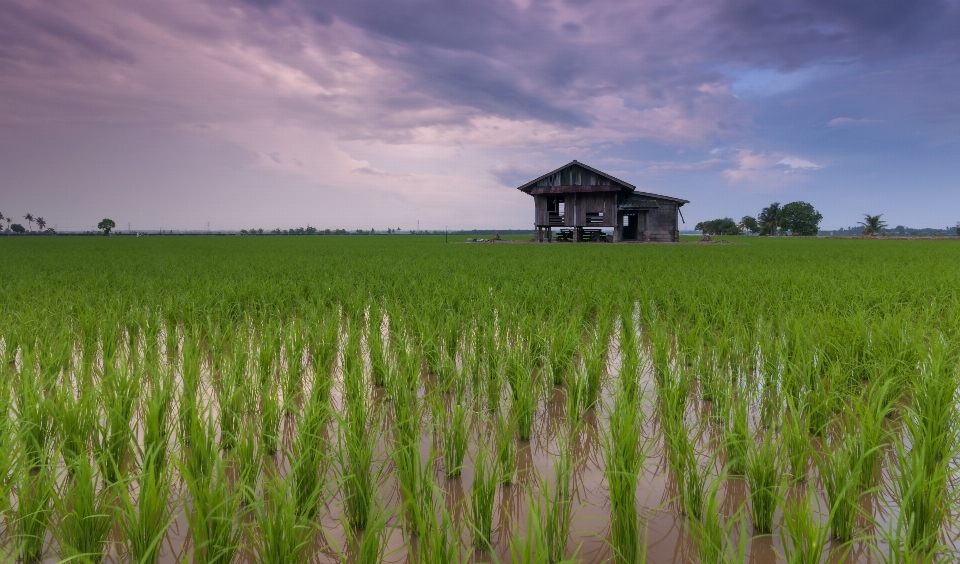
(576, 208)
(574, 176)
(662, 222)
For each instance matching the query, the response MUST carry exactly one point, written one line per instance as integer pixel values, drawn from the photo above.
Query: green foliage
(800, 218)
(725, 226)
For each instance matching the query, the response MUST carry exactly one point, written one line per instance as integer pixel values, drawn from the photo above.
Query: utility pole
(446, 232)
(418, 226)
(128, 228)
(208, 227)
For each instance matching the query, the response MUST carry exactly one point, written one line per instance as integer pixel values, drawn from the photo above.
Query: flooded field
(272, 406)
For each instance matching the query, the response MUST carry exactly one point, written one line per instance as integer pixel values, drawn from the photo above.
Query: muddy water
(668, 535)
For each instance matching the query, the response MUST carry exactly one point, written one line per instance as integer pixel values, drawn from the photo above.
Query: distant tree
(725, 226)
(749, 223)
(17, 228)
(800, 218)
(872, 224)
(41, 223)
(770, 219)
(29, 218)
(106, 225)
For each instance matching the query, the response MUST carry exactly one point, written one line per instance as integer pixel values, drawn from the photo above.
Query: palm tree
(41, 223)
(872, 224)
(29, 218)
(770, 218)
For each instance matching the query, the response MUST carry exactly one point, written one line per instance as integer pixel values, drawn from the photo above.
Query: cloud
(795, 163)
(845, 121)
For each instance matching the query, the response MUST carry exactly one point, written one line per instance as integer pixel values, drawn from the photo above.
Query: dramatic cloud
(363, 113)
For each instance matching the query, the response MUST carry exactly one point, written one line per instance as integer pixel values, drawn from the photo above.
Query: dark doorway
(630, 225)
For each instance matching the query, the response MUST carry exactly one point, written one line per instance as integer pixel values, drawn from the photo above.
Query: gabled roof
(533, 182)
(531, 187)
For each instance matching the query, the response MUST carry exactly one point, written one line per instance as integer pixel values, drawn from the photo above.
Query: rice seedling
(556, 507)
(308, 462)
(282, 533)
(805, 538)
(248, 457)
(439, 542)
(454, 433)
(796, 441)
(764, 470)
(624, 455)
(145, 518)
(416, 484)
(482, 496)
(371, 544)
(506, 445)
(594, 368)
(840, 466)
(85, 514)
(31, 519)
(737, 439)
(356, 454)
(714, 534)
(119, 398)
(214, 513)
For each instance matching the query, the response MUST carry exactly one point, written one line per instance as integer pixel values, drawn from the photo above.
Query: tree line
(19, 229)
(795, 218)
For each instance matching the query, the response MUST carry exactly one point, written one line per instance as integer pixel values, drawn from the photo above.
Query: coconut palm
(770, 219)
(41, 223)
(29, 218)
(872, 224)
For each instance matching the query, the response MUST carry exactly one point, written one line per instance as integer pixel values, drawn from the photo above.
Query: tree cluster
(725, 226)
(19, 229)
(795, 218)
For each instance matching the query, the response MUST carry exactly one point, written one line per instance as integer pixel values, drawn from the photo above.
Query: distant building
(579, 201)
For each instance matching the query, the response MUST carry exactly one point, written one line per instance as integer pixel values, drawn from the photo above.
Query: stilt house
(579, 201)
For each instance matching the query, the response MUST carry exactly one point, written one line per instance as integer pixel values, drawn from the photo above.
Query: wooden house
(579, 201)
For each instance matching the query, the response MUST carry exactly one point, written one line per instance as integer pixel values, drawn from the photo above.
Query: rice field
(398, 399)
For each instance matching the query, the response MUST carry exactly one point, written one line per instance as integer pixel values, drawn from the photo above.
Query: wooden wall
(576, 208)
(662, 222)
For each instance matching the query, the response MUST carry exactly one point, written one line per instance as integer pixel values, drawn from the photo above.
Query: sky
(384, 113)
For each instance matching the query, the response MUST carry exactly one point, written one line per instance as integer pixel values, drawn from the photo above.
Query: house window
(594, 218)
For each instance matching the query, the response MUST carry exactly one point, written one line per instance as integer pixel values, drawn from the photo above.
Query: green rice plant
(356, 454)
(506, 445)
(371, 545)
(271, 414)
(482, 496)
(737, 439)
(839, 467)
(308, 462)
(594, 367)
(214, 513)
(805, 538)
(76, 422)
(576, 396)
(714, 533)
(282, 533)
(31, 519)
(922, 489)
(796, 441)
(563, 350)
(248, 460)
(624, 455)
(529, 548)
(379, 367)
(294, 347)
(439, 542)
(453, 429)
(871, 413)
(34, 415)
(556, 507)
(119, 394)
(86, 513)
(764, 471)
(145, 519)
(693, 486)
(416, 484)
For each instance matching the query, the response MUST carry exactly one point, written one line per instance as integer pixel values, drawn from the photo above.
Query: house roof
(532, 188)
(533, 182)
